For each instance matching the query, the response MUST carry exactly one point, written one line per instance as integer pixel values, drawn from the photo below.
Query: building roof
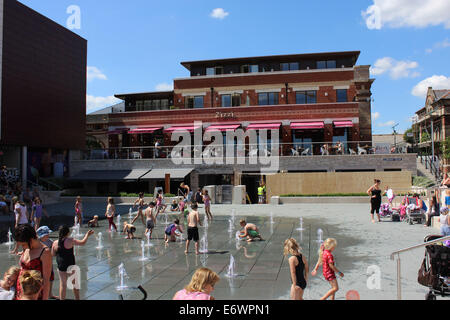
(442, 94)
(120, 107)
(288, 57)
(144, 95)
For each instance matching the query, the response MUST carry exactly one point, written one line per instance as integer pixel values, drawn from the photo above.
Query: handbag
(426, 277)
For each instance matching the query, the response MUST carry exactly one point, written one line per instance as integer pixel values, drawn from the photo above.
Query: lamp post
(395, 137)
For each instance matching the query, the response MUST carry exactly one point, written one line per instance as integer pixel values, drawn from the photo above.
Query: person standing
(110, 213)
(375, 199)
(151, 219)
(35, 256)
(141, 204)
(298, 266)
(186, 192)
(78, 211)
(63, 250)
(207, 202)
(260, 194)
(21, 214)
(36, 213)
(193, 222)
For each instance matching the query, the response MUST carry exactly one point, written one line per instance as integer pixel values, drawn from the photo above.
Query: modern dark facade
(43, 88)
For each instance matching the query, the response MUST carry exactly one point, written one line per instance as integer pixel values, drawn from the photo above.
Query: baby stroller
(385, 211)
(142, 290)
(413, 212)
(435, 270)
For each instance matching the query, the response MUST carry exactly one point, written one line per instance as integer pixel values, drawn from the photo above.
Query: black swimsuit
(375, 202)
(64, 257)
(299, 273)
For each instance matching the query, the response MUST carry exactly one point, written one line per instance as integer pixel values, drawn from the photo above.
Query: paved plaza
(262, 271)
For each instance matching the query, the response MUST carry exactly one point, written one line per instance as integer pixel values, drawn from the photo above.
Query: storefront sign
(225, 115)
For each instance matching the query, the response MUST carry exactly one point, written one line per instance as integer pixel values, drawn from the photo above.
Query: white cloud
(164, 87)
(407, 13)
(95, 73)
(428, 50)
(93, 103)
(375, 116)
(219, 13)
(390, 123)
(396, 69)
(439, 45)
(436, 82)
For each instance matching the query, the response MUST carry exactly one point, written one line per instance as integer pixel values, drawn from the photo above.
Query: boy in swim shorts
(151, 219)
(251, 231)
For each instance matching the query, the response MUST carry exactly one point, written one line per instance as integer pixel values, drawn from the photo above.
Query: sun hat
(43, 231)
(444, 210)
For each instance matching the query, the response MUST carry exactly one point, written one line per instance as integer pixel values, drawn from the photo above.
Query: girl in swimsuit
(110, 212)
(78, 211)
(140, 202)
(375, 200)
(35, 256)
(207, 202)
(298, 267)
(63, 250)
(36, 212)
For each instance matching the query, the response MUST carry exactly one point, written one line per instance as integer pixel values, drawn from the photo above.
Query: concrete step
(422, 171)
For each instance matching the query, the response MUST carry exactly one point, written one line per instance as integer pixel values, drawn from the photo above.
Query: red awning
(264, 126)
(182, 128)
(343, 124)
(223, 127)
(118, 130)
(144, 130)
(307, 125)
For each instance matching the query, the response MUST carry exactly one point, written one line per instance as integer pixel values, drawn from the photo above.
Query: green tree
(445, 148)
(407, 139)
(425, 137)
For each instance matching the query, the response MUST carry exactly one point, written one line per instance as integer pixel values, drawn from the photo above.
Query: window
(331, 64)
(306, 97)
(321, 64)
(268, 98)
(254, 68)
(245, 68)
(189, 103)
(341, 95)
(198, 102)
(210, 71)
(226, 100)
(236, 100)
(219, 70)
(289, 66)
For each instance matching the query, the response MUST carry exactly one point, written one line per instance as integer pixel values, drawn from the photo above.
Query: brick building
(311, 100)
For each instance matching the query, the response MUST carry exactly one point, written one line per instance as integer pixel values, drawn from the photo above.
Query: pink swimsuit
(184, 295)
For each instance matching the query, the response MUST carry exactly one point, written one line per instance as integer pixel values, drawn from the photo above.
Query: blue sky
(137, 45)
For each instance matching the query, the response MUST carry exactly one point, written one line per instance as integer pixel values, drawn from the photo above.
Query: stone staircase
(422, 171)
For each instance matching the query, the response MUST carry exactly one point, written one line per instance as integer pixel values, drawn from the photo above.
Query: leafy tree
(445, 148)
(407, 139)
(425, 137)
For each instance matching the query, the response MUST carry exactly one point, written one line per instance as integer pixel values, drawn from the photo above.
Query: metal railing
(293, 149)
(431, 164)
(399, 284)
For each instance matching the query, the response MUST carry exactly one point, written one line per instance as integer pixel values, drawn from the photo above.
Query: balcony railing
(297, 149)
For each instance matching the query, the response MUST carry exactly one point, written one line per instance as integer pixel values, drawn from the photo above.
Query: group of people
(204, 280)
(434, 208)
(33, 278)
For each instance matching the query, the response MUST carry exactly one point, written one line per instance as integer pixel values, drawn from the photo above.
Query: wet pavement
(261, 270)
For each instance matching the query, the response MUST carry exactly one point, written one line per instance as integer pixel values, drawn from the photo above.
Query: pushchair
(413, 212)
(435, 270)
(385, 211)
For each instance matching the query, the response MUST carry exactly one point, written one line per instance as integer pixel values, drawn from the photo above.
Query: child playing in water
(129, 229)
(78, 211)
(250, 231)
(7, 285)
(193, 222)
(110, 213)
(93, 223)
(207, 202)
(326, 259)
(174, 206)
(169, 233)
(298, 266)
(151, 219)
(201, 286)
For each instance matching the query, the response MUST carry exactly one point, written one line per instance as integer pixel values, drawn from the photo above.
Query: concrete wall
(377, 162)
(334, 182)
